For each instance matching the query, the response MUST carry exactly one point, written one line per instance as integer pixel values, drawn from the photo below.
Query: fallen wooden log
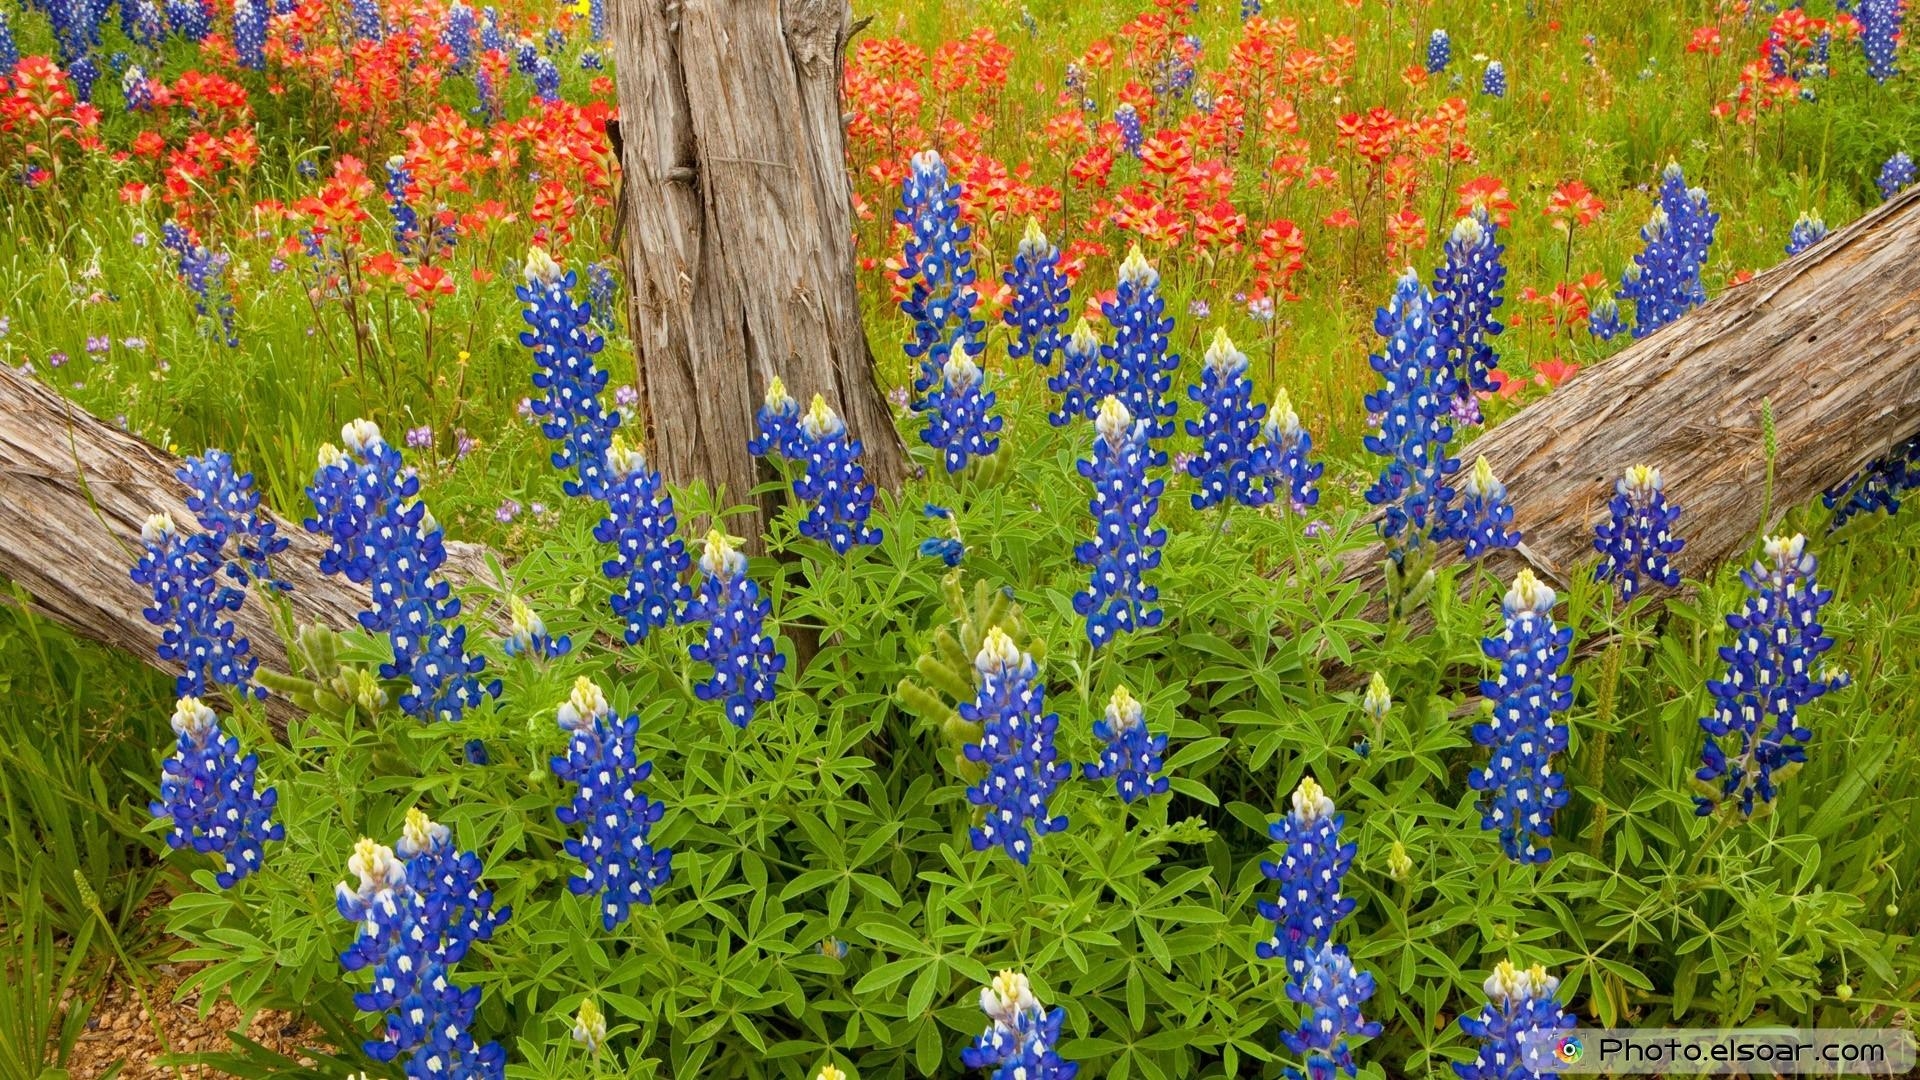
(1831, 338)
(74, 492)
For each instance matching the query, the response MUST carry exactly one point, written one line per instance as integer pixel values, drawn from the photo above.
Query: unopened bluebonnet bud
(1807, 231)
(527, 635)
(1021, 1039)
(590, 1027)
(1284, 456)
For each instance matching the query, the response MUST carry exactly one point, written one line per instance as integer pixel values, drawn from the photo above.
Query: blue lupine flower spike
(960, 424)
(1041, 295)
(1020, 1041)
(1807, 231)
(1225, 466)
(1755, 726)
(1126, 544)
(564, 342)
(1284, 456)
(1637, 541)
(1485, 514)
(1895, 175)
(1312, 865)
(649, 559)
(1083, 381)
(1016, 748)
(1415, 414)
(1132, 756)
(1520, 784)
(211, 796)
(1140, 355)
(738, 643)
(1331, 992)
(834, 485)
(191, 605)
(777, 424)
(1519, 1028)
(617, 859)
(527, 635)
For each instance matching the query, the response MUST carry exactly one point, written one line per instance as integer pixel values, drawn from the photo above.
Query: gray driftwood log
(74, 493)
(738, 234)
(1830, 337)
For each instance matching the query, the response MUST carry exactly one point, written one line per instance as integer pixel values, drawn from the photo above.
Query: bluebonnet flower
(949, 549)
(205, 272)
(602, 286)
(590, 1027)
(250, 34)
(368, 23)
(1485, 514)
(458, 35)
(1248, 9)
(419, 908)
(778, 424)
(1016, 748)
(189, 19)
(960, 424)
(1083, 380)
(1466, 293)
(1439, 52)
(1778, 637)
(1664, 281)
(406, 220)
(1603, 321)
(937, 265)
(366, 503)
(1313, 864)
(1413, 410)
(1518, 1028)
(1126, 544)
(1895, 175)
(488, 95)
(1636, 542)
(1880, 35)
(1284, 456)
(1040, 298)
(737, 644)
(1878, 486)
(1226, 466)
(834, 484)
(9, 48)
(649, 558)
(228, 508)
(1807, 231)
(1130, 133)
(1019, 1043)
(81, 75)
(1141, 360)
(1522, 788)
(1331, 991)
(1132, 755)
(136, 89)
(490, 36)
(564, 345)
(190, 605)
(546, 79)
(526, 54)
(211, 795)
(617, 860)
(1494, 82)
(527, 635)
(475, 751)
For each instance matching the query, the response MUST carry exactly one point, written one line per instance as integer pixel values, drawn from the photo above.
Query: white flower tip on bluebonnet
(192, 718)
(821, 421)
(590, 1026)
(1468, 231)
(1378, 699)
(1281, 419)
(778, 401)
(1137, 271)
(1812, 220)
(1124, 711)
(419, 833)
(541, 269)
(157, 528)
(395, 162)
(1084, 340)
(625, 459)
(1223, 357)
(373, 863)
(961, 372)
(721, 558)
(1113, 421)
(360, 435)
(526, 623)
(829, 1072)
(1529, 593)
(1034, 243)
(1007, 996)
(586, 704)
(1788, 552)
(1640, 484)
(929, 162)
(1310, 802)
(1482, 483)
(1672, 171)
(997, 653)
(330, 455)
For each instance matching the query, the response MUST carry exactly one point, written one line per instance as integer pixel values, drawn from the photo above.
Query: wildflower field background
(1086, 727)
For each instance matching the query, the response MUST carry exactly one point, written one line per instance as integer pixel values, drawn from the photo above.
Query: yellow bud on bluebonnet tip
(1378, 699)
(360, 435)
(541, 269)
(590, 1026)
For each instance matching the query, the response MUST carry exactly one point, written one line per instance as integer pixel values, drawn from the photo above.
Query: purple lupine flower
(420, 438)
(1521, 787)
(1022, 767)
(418, 907)
(1637, 541)
(1313, 864)
(617, 859)
(1126, 544)
(1778, 637)
(738, 643)
(1226, 467)
(211, 797)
